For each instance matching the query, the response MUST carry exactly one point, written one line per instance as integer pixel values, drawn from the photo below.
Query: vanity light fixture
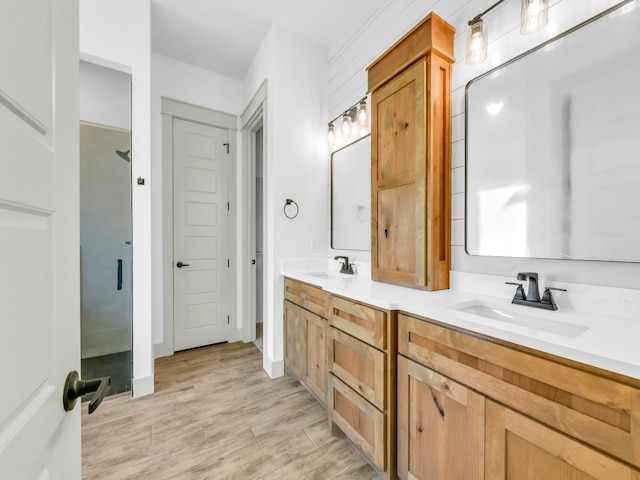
(534, 15)
(331, 135)
(347, 125)
(363, 117)
(354, 117)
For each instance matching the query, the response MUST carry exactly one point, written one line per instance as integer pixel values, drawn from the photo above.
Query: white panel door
(200, 213)
(39, 238)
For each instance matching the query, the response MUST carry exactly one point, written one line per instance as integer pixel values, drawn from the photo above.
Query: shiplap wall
(385, 23)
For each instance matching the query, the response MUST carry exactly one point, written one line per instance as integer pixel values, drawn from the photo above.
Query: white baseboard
(273, 369)
(142, 386)
(235, 335)
(163, 349)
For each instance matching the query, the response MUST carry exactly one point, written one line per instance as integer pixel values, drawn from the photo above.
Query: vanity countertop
(604, 332)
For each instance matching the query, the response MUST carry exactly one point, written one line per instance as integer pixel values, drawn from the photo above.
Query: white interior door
(39, 238)
(200, 217)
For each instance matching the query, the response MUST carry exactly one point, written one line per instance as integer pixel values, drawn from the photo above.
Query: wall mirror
(553, 147)
(351, 196)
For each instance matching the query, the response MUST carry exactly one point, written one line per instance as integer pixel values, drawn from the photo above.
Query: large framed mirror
(351, 196)
(553, 147)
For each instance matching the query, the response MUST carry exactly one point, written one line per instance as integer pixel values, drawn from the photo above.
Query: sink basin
(326, 275)
(518, 322)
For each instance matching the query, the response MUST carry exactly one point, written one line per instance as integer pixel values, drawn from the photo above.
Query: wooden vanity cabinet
(361, 361)
(305, 323)
(540, 416)
(440, 426)
(410, 87)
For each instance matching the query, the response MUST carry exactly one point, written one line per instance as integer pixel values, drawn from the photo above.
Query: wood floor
(217, 415)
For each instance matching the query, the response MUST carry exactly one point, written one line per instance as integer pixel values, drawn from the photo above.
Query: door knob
(180, 264)
(75, 388)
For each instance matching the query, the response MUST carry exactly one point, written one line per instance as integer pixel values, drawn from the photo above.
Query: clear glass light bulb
(477, 40)
(363, 118)
(331, 135)
(534, 16)
(346, 125)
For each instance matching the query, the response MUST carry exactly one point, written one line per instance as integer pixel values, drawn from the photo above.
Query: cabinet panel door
(519, 448)
(316, 355)
(397, 230)
(296, 339)
(398, 176)
(440, 426)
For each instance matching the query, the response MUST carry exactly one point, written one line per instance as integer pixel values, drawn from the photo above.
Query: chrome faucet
(346, 266)
(532, 299)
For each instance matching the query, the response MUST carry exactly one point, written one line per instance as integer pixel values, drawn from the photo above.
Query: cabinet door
(519, 448)
(440, 426)
(398, 178)
(316, 355)
(296, 339)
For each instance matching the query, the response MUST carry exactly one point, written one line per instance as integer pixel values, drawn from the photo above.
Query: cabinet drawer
(597, 407)
(359, 365)
(307, 296)
(363, 423)
(361, 321)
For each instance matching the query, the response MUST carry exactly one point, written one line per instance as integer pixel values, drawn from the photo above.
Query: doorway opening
(105, 226)
(259, 235)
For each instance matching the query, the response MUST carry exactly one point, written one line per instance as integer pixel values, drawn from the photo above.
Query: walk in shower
(106, 256)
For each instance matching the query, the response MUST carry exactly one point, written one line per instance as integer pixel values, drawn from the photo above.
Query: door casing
(175, 109)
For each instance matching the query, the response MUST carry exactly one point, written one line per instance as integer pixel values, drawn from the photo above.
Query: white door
(200, 212)
(39, 238)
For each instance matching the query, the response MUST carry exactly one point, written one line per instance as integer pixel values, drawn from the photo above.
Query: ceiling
(223, 36)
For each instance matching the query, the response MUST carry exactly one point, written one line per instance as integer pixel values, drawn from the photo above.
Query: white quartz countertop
(604, 331)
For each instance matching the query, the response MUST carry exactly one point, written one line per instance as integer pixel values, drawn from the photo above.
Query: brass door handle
(75, 388)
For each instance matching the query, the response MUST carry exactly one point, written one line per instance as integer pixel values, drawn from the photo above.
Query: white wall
(117, 34)
(188, 84)
(348, 59)
(105, 96)
(296, 164)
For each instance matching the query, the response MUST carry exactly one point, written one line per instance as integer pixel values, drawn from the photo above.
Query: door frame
(253, 117)
(171, 109)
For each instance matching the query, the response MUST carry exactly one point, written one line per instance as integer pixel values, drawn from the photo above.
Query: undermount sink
(326, 275)
(518, 322)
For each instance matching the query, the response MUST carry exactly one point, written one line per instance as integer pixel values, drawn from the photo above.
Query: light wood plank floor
(217, 415)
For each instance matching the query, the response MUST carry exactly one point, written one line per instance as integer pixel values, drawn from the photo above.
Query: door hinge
(228, 208)
(228, 321)
(228, 263)
(226, 145)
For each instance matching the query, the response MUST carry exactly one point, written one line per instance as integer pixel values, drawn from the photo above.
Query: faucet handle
(547, 298)
(519, 291)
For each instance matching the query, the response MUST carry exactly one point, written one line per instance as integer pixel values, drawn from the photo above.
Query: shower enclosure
(105, 249)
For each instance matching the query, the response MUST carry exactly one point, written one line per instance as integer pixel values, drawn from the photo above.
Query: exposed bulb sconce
(363, 117)
(355, 116)
(534, 15)
(477, 41)
(347, 124)
(331, 135)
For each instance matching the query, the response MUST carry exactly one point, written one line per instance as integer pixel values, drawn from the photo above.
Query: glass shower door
(106, 256)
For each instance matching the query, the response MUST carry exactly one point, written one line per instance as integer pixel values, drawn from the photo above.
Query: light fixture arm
(352, 111)
(480, 15)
